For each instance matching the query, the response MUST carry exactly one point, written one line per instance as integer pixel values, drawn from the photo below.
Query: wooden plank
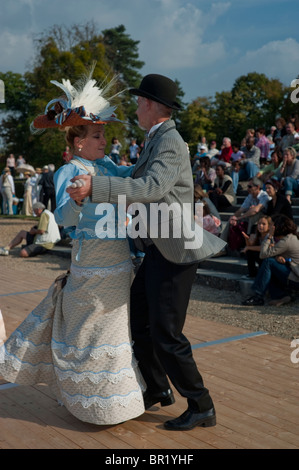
(252, 381)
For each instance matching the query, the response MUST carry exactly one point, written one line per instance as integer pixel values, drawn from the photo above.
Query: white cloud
(275, 59)
(176, 38)
(15, 50)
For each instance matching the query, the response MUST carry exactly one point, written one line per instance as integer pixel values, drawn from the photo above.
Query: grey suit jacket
(162, 175)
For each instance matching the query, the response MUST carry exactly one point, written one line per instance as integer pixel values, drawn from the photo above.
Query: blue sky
(205, 45)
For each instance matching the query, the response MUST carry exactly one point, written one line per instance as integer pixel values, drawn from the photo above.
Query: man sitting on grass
(40, 238)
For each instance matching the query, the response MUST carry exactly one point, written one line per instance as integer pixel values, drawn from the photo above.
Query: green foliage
(67, 53)
(254, 101)
(196, 122)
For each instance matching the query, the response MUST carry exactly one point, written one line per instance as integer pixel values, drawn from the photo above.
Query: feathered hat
(82, 103)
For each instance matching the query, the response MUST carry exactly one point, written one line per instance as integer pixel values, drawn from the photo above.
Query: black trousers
(253, 257)
(49, 195)
(219, 200)
(159, 300)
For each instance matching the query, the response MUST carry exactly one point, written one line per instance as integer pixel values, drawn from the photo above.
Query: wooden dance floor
(251, 377)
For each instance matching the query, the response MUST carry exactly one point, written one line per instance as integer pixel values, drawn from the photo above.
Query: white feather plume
(85, 92)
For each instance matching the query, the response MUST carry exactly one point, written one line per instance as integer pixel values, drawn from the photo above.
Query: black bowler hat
(158, 88)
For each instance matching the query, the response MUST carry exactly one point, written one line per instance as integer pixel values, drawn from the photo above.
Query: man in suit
(161, 289)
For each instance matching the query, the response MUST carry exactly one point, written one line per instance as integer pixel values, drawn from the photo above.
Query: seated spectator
(253, 244)
(288, 173)
(279, 270)
(255, 203)
(263, 144)
(289, 138)
(201, 153)
(268, 171)
(224, 156)
(210, 222)
(296, 144)
(280, 131)
(237, 154)
(270, 136)
(205, 175)
(233, 235)
(196, 160)
(250, 164)
(249, 133)
(294, 118)
(278, 204)
(202, 143)
(201, 196)
(234, 173)
(40, 238)
(222, 195)
(213, 149)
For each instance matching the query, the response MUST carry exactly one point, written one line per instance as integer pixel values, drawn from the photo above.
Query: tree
(14, 111)
(63, 52)
(122, 52)
(196, 122)
(257, 99)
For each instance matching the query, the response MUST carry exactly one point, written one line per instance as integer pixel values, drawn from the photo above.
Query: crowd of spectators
(267, 166)
(38, 186)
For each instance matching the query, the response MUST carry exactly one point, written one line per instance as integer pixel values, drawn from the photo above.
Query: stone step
(223, 280)
(225, 264)
(226, 215)
(63, 251)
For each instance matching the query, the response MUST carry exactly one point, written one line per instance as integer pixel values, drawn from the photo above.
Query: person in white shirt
(255, 202)
(134, 151)
(7, 188)
(40, 238)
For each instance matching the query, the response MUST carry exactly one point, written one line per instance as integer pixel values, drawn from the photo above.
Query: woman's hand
(271, 231)
(80, 192)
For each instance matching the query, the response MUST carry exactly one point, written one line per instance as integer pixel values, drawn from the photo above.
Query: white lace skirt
(78, 338)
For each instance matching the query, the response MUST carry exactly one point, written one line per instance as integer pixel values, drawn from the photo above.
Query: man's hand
(81, 192)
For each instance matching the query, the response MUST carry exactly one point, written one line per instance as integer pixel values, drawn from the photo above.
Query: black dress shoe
(190, 419)
(254, 300)
(165, 398)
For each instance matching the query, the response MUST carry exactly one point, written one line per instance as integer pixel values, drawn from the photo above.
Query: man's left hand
(78, 194)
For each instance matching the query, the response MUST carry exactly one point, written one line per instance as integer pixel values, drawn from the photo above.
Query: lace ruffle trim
(96, 377)
(103, 402)
(77, 377)
(78, 272)
(109, 350)
(39, 323)
(95, 352)
(17, 364)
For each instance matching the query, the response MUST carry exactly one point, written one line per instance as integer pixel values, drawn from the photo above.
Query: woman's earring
(80, 148)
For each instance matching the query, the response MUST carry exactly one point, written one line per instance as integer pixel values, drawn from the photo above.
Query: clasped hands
(80, 188)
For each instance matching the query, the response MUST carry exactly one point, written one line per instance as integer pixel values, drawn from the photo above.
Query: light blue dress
(78, 338)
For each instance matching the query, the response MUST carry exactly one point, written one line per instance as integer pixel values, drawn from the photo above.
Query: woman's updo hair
(72, 132)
